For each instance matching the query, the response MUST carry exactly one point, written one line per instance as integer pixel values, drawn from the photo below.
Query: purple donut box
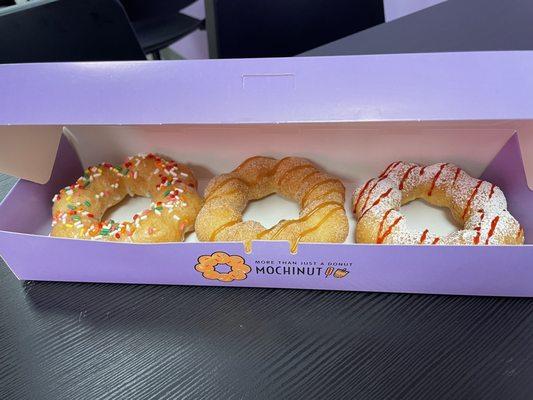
(463, 90)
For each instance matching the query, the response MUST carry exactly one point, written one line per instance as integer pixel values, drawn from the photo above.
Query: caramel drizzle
(436, 178)
(224, 183)
(493, 224)
(249, 160)
(436, 240)
(265, 232)
(274, 170)
(405, 176)
(313, 228)
(310, 175)
(286, 224)
(492, 190)
(287, 173)
(270, 172)
(377, 201)
(215, 233)
(422, 170)
(339, 191)
(424, 236)
(228, 193)
(457, 172)
(314, 187)
(469, 202)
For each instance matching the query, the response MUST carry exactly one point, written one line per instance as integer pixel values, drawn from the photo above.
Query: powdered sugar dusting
(479, 206)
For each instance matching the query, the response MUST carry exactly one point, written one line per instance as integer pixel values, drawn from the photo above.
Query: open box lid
(36, 100)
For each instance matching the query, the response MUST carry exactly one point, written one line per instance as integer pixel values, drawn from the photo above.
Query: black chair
(159, 23)
(278, 28)
(67, 30)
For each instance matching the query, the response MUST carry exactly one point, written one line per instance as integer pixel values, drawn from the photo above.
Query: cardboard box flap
(37, 197)
(398, 87)
(29, 152)
(508, 172)
(526, 146)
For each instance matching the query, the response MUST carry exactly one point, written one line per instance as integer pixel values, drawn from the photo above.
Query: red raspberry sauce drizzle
(436, 178)
(457, 172)
(383, 176)
(380, 237)
(363, 190)
(492, 228)
(383, 221)
(469, 202)
(478, 228)
(424, 236)
(492, 191)
(405, 176)
(389, 169)
(370, 192)
(377, 201)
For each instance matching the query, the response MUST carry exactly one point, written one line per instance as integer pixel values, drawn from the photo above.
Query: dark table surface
(108, 341)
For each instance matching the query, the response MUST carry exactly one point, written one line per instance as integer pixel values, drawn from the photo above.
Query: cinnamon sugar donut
(79, 208)
(479, 206)
(320, 196)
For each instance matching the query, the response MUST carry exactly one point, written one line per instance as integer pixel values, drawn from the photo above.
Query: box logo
(208, 264)
(337, 273)
(223, 267)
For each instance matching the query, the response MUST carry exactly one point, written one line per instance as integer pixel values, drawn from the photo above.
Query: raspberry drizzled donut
(479, 206)
(320, 196)
(78, 209)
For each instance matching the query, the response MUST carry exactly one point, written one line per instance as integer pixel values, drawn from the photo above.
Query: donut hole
(420, 215)
(222, 268)
(270, 210)
(127, 208)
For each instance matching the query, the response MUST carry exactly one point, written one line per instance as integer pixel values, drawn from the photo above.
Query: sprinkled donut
(78, 209)
(479, 206)
(320, 196)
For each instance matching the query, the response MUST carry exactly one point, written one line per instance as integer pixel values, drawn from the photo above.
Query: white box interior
(354, 152)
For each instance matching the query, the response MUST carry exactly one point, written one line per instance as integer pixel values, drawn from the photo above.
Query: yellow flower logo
(207, 266)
